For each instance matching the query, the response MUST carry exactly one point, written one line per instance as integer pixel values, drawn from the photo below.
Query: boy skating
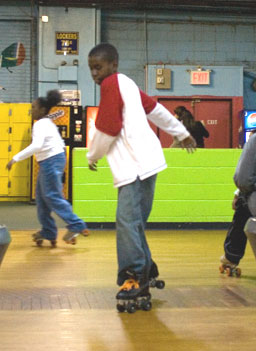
(135, 157)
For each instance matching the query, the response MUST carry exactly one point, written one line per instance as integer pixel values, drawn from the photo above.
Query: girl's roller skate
(133, 295)
(70, 237)
(38, 239)
(229, 268)
(153, 274)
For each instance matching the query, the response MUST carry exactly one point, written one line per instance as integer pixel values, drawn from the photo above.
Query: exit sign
(200, 77)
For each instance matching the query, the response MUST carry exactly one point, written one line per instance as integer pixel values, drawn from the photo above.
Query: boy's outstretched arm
(162, 118)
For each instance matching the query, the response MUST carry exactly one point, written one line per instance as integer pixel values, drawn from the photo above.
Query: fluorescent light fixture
(45, 19)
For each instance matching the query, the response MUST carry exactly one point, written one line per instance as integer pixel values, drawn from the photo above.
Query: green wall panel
(202, 157)
(193, 192)
(195, 187)
(195, 175)
(84, 175)
(80, 159)
(87, 191)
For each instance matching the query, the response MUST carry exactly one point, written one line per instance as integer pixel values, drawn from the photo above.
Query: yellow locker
(5, 110)
(20, 137)
(21, 113)
(4, 130)
(15, 135)
(4, 147)
(3, 171)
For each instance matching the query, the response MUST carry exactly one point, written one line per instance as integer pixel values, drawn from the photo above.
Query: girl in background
(195, 128)
(49, 150)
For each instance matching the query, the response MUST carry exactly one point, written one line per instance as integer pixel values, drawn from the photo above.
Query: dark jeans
(235, 242)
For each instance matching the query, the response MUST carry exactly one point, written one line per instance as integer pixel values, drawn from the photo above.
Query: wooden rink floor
(63, 299)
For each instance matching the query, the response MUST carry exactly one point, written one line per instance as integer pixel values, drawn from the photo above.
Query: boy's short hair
(108, 51)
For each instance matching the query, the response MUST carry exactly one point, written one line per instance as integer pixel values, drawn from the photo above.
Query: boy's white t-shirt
(46, 141)
(124, 135)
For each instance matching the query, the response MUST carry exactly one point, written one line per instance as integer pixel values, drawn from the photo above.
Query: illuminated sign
(71, 97)
(67, 43)
(200, 77)
(91, 115)
(250, 120)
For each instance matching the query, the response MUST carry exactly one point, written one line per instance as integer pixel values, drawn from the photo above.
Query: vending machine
(71, 125)
(249, 123)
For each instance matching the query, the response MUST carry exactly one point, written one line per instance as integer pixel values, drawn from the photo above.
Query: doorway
(215, 114)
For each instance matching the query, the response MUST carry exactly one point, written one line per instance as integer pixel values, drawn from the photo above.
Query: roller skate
(70, 237)
(38, 239)
(153, 274)
(229, 268)
(133, 296)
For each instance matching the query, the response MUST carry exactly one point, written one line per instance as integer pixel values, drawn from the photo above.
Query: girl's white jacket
(46, 141)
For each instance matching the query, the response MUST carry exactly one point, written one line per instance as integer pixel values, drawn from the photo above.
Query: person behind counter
(195, 128)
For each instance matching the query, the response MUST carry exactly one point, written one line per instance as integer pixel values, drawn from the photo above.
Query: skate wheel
(146, 305)
(160, 284)
(72, 241)
(39, 243)
(238, 272)
(152, 283)
(131, 307)
(120, 308)
(54, 243)
(229, 271)
(221, 269)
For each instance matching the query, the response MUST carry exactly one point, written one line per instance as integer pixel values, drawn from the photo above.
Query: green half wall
(195, 188)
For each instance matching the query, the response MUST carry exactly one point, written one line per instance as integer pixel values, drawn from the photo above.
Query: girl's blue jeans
(49, 198)
(134, 205)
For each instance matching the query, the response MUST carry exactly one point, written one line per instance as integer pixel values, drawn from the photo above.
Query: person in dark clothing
(244, 205)
(236, 240)
(195, 128)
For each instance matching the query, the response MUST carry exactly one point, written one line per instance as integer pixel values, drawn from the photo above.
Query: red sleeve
(109, 119)
(148, 103)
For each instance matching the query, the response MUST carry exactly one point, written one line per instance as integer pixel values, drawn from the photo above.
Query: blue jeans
(134, 205)
(49, 197)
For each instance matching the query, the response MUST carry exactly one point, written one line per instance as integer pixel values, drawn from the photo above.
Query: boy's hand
(189, 143)
(9, 164)
(93, 166)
